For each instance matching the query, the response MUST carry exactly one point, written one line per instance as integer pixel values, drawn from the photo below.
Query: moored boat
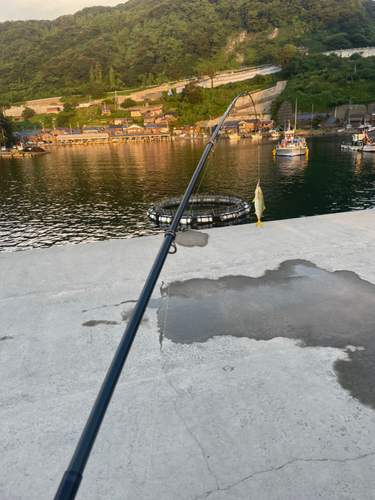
(356, 144)
(291, 146)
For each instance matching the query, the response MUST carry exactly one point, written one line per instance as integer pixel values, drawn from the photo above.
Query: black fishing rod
(73, 476)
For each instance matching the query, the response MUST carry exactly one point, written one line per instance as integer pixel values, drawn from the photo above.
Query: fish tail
(258, 223)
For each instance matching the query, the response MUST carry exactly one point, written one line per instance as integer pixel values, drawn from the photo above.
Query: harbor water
(82, 194)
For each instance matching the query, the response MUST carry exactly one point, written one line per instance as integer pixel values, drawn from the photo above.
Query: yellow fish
(259, 204)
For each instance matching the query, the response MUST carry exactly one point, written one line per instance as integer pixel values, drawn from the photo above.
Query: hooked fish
(259, 204)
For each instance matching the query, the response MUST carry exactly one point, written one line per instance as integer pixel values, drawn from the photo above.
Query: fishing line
(207, 165)
(162, 336)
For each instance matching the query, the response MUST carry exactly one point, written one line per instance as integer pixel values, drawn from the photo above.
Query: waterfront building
(331, 122)
(250, 125)
(305, 121)
(231, 127)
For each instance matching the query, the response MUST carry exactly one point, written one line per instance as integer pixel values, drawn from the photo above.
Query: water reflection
(291, 165)
(79, 194)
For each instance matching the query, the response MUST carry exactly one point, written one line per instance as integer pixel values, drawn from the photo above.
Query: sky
(15, 10)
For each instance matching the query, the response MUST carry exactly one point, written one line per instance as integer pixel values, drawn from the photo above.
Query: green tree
(6, 135)
(317, 121)
(211, 73)
(65, 118)
(128, 103)
(285, 55)
(193, 93)
(112, 81)
(27, 113)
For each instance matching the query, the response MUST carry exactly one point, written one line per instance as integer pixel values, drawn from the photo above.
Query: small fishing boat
(356, 144)
(291, 146)
(234, 136)
(275, 134)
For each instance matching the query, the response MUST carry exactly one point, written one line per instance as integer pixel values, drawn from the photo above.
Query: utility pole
(312, 115)
(53, 122)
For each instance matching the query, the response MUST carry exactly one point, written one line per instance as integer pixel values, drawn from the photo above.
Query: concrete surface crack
(194, 437)
(110, 305)
(206, 495)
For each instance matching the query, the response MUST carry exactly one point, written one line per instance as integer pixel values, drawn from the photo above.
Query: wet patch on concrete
(99, 322)
(297, 301)
(192, 239)
(5, 338)
(126, 315)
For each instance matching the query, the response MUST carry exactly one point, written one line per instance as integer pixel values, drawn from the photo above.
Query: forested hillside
(145, 41)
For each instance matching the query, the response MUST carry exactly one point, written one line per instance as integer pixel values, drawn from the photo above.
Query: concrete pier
(251, 377)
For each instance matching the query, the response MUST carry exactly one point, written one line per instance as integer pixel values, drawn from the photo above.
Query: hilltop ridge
(144, 42)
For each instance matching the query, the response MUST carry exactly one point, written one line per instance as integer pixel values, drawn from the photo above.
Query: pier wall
(258, 414)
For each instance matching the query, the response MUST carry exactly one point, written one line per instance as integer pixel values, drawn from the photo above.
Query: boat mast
(295, 117)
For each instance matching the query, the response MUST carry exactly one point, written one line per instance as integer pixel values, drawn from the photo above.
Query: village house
(121, 121)
(147, 120)
(163, 127)
(106, 111)
(267, 125)
(357, 120)
(91, 130)
(161, 119)
(305, 121)
(178, 130)
(29, 136)
(135, 129)
(155, 111)
(135, 112)
(191, 129)
(331, 122)
(247, 126)
(170, 115)
(114, 128)
(152, 129)
(230, 127)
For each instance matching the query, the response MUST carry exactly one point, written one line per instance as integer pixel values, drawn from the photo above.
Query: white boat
(275, 134)
(292, 146)
(234, 136)
(369, 147)
(368, 144)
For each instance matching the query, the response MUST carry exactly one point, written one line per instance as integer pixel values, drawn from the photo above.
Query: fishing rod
(73, 476)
